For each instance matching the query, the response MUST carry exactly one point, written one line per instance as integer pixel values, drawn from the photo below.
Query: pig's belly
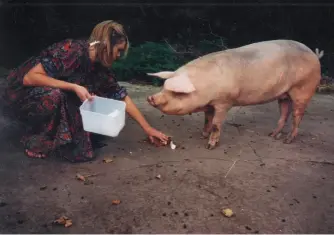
(264, 83)
(262, 93)
(254, 99)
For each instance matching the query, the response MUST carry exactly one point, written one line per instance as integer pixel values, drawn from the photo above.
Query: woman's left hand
(154, 133)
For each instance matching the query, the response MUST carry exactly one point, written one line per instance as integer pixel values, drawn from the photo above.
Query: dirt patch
(271, 187)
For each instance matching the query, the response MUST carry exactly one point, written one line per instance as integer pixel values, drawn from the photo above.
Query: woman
(45, 92)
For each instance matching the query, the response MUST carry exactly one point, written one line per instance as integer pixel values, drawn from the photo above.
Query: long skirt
(55, 124)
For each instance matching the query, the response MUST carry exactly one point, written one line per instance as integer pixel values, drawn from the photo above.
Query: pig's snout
(150, 100)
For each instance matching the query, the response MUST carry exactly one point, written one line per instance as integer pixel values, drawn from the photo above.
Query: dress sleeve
(62, 58)
(109, 86)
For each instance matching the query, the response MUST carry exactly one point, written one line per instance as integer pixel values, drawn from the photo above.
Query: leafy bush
(146, 58)
(153, 57)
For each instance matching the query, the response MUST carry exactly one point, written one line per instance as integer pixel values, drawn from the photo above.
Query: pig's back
(270, 69)
(258, 71)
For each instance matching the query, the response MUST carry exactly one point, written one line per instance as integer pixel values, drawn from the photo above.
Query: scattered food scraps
(63, 220)
(108, 160)
(80, 177)
(116, 202)
(227, 212)
(156, 142)
(172, 145)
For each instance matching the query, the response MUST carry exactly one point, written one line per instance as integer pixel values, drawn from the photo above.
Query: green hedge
(146, 58)
(153, 57)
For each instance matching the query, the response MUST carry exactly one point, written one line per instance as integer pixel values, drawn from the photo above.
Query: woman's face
(118, 50)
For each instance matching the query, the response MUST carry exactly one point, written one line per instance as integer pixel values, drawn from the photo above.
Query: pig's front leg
(217, 121)
(208, 117)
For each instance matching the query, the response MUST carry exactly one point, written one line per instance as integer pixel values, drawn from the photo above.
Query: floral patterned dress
(51, 115)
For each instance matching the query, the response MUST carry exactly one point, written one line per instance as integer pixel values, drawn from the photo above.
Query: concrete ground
(270, 186)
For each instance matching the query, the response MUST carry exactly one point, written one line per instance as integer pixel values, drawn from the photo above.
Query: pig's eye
(179, 95)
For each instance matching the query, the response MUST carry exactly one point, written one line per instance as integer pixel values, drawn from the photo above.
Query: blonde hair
(104, 37)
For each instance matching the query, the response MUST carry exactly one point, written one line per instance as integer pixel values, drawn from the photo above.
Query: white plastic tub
(103, 116)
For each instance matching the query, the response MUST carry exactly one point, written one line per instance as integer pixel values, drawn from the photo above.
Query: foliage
(148, 57)
(151, 57)
(28, 29)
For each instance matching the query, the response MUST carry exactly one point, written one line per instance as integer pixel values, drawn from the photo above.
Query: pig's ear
(179, 84)
(162, 75)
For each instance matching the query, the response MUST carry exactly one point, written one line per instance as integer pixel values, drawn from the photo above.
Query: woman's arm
(62, 57)
(111, 89)
(38, 77)
(134, 112)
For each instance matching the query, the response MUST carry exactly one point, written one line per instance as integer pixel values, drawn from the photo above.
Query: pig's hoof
(271, 134)
(288, 139)
(278, 136)
(211, 146)
(275, 136)
(205, 134)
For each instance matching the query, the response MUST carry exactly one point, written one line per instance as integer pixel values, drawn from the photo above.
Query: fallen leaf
(68, 223)
(80, 177)
(108, 160)
(116, 202)
(43, 187)
(227, 212)
(63, 220)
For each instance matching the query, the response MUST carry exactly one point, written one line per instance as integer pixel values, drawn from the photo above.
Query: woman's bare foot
(34, 155)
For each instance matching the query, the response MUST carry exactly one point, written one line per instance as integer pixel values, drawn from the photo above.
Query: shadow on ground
(271, 187)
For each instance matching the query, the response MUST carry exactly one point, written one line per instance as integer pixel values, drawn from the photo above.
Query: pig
(285, 71)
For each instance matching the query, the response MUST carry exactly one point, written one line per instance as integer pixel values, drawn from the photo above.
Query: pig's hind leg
(300, 99)
(284, 104)
(220, 112)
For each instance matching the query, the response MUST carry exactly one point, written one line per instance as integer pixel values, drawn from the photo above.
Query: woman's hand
(82, 93)
(154, 134)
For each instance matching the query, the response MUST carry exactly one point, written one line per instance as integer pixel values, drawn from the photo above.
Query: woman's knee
(51, 99)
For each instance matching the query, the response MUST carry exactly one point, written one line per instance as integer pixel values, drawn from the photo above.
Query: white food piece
(172, 145)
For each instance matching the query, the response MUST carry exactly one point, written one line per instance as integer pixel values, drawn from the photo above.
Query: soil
(271, 187)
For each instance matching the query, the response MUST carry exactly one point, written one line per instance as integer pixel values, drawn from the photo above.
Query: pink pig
(258, 73)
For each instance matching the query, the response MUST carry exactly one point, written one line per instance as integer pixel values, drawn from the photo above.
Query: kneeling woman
(45, 92)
